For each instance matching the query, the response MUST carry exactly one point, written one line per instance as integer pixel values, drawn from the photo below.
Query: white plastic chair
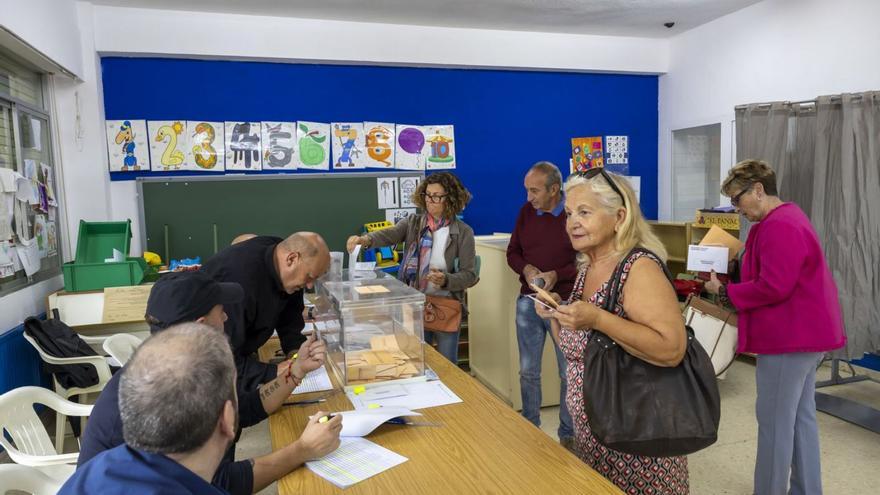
(121, 346)
(27, 479)
(100, 364)
(20, 422)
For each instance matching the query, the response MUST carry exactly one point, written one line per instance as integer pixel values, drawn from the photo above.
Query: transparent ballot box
(373, 326)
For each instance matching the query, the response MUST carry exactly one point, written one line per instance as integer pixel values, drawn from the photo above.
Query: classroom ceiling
(643, 18)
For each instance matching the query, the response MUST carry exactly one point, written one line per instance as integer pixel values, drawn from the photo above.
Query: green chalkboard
(182, 217)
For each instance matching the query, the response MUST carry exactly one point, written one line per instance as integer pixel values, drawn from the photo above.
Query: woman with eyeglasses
(604, 223)
(789, 316)
(435, 239)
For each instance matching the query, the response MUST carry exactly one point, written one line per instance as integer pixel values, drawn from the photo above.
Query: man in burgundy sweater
(540, 249)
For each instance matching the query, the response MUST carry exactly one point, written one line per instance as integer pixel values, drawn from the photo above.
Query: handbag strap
(614, 287)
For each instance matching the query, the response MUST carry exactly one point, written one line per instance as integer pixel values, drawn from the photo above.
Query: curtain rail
(834, 99)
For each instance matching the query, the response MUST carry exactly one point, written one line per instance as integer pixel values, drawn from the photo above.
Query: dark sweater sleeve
(290, 323)
(568, 272)
(514, 249)
(250, 408)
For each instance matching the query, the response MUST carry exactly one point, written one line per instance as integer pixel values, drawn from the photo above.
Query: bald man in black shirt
(273, 273)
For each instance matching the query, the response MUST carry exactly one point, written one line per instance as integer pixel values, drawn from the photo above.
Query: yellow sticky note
(373, 406)
(359, 389)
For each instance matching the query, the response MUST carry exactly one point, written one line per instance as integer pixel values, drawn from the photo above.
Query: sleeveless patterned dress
(635, 475)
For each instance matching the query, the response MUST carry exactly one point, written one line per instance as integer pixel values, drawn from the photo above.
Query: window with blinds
(26, 147)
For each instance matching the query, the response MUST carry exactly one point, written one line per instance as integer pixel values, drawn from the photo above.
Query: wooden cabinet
(677, 236)
(494, 355)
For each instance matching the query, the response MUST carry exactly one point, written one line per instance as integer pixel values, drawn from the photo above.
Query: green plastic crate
(96, 276)
(96, 242)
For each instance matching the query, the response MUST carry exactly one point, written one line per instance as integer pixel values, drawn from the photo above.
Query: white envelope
(707, 258)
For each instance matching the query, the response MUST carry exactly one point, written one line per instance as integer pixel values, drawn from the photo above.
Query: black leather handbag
(638, 408)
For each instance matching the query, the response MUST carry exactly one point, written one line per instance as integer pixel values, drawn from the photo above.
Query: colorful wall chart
(586, 153)
(349, 149)
(243, 146)
(441, 147)
(314, 145)
(127, 148)
(380, 144)
(207, 146)
(279, 145)
(167, 141)
(410, 153)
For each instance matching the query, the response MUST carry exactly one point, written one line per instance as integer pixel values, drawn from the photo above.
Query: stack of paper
(355, 460)
(417, 395)
(315, 381)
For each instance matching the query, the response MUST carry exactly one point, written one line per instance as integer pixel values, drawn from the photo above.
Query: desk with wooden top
(484, 446)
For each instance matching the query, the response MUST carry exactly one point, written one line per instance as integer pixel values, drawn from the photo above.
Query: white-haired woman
(604, 224)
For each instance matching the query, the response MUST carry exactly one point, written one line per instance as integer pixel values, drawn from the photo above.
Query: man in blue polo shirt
(179, 415)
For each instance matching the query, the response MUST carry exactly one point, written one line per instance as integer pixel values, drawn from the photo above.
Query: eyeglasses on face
(589, 174)
(735, 199)
(435, 198)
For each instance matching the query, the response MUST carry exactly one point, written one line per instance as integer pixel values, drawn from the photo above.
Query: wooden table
(484, 446)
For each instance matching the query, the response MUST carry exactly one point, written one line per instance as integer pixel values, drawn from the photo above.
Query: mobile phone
(545, 296)
(534, 297)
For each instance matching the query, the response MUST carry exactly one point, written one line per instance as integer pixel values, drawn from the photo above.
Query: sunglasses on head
(589, 174)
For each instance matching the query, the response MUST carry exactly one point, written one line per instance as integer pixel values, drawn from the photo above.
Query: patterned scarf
(414, 269)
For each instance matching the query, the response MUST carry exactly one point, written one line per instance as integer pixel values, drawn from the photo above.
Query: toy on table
(385, 257)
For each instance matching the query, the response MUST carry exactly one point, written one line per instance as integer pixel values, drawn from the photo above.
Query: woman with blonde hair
(604, 224)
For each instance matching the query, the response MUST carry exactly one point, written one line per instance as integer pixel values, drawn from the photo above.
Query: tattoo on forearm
(269, 389)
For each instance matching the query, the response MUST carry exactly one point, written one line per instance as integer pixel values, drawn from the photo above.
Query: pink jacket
(787, 299)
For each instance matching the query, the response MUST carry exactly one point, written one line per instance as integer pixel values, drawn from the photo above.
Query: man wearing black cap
(194, 296)
(273, 273)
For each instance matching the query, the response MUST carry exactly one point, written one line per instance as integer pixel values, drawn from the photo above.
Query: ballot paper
(362, 422)
(359, 266)
(355, 460)
(707, 258)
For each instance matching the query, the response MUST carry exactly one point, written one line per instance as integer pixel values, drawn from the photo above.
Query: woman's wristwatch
(722, 294)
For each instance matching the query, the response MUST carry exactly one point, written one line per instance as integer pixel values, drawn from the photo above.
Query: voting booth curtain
(826, 154)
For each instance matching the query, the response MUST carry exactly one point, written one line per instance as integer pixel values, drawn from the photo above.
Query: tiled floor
(850, 454)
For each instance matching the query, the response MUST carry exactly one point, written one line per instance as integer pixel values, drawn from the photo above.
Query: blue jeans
(531, 332)
(447, 343)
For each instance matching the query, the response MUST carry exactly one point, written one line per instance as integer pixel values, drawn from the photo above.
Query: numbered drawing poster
(207, 146)
(168, 139)
(279, 145)
(380, 144)
(127, 145)
(408, 186)
(243, 146)
(440, 147)
(313, 142)
(348, 145)
(410, 152)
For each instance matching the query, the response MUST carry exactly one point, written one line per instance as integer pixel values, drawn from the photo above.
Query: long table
(483, 446)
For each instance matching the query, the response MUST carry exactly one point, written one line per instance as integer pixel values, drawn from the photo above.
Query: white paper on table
(355, 460)
(362, 422)
(418, 395)
(29, 255)
(315, 381)
(707, 258)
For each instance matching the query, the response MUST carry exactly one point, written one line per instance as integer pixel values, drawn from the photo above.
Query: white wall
(774, 50)
(146, 31)
(49, 26)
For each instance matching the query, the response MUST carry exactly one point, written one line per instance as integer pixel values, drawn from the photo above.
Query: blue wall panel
(20, 365)
(504, 120)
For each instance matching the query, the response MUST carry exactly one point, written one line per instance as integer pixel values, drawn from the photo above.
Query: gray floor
(850, 454)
